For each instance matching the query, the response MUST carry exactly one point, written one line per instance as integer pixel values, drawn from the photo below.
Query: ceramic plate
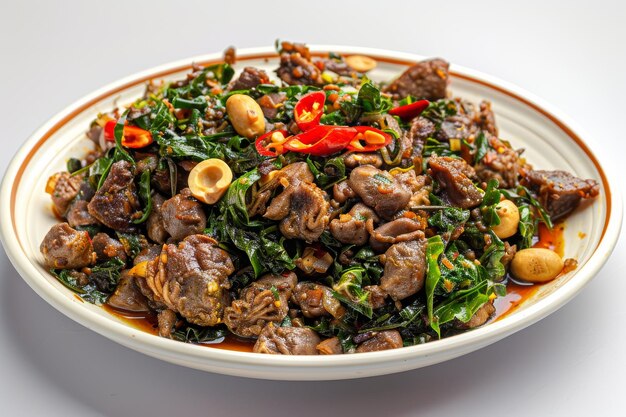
(550, 141)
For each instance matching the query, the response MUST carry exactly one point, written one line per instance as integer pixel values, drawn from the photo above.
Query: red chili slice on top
(309, 110)
(409, 111)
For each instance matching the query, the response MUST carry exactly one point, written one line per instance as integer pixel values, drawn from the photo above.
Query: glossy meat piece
(296, 66)
(420, 186)
(291, 175)
(63, 188)
(191, 278)
(421, 129)
(66, 248)
(351, 228)
(425, 80)
(388, 339)
(270, 103)
(166, 320)
(354, 160)
(399, 230)
(405, 268)
(303, 211)
(258, 304)
(115, 203)
(154, 224)
(468, 122)
(453, 176)
(78, 214)
(287, 341)
(342, 192)
(376, 296)
(503, 164)
(330, 346)
(379, 190)
(127, 295)
(106, 247)
(182, 215)
(316, 300)
(249, 78)
(560, 192)
(148, 253)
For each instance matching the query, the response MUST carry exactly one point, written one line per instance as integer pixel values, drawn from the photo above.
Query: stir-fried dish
(311, 212)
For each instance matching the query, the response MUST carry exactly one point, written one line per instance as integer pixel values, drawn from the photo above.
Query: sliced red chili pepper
(309, 109)
(369, 139)
(109, 130)
(409, 111)
(264, 143)
(321, 140)
(136, 137)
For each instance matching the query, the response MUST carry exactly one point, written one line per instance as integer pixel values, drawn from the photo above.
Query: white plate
(550, 140)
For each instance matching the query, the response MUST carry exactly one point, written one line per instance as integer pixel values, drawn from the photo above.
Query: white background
(570, 364)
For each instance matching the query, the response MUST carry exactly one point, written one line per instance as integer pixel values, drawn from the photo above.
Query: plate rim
(267, 366)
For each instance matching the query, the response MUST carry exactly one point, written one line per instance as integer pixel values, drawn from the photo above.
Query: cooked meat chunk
(421, 129)
(351, 228)
(127, 295)
(249, 78)
(342, 192)
(182, 215)
(560, 192)
(154, 224)
(270, 103)
(316, 300)
(287, 341)
(468, 122)
(453, 176)
(78, 214)
(479, 318)
(292, 174)
(296, 66)
(354, 160)
(258, 304)
(66, 248)
(388, 339)
(147, 254)
(116, 202)
(330, 346)
(420, 186)
(399, 230)
(405, 266)
(303, 210)
(376, 296)
(161, 179)
(425, 80)
(106, 247)
(166, 320)
(63, 187)
(503, 164)
(191, 278)
(379, 190)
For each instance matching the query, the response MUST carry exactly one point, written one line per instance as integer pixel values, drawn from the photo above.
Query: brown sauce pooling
(517, 293)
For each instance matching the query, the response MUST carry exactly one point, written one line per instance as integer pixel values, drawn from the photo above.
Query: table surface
(569, 364)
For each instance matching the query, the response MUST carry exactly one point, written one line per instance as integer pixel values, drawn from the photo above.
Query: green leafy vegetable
(349, 291)
(145, 196)
(434, 248)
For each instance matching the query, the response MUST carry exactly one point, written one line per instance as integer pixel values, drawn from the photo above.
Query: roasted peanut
(536, 265)
(509, 219)
(246, 115)
(361, 63)
(209, 180)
